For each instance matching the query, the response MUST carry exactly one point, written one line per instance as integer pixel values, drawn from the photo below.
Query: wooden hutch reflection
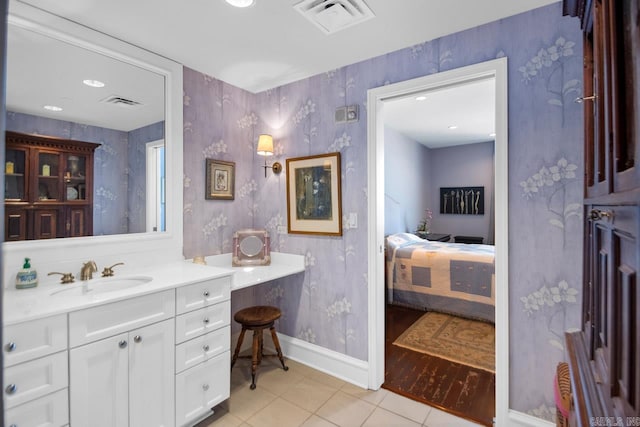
(48, 187)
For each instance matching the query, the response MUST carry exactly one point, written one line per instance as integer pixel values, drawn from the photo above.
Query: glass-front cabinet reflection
(48, 187)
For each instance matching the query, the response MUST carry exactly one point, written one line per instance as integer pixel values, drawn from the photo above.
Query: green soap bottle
(27, 277)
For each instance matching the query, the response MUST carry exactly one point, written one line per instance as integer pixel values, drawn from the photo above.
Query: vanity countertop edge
(36, 303)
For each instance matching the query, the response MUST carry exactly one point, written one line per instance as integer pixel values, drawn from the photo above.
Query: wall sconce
(265, 148)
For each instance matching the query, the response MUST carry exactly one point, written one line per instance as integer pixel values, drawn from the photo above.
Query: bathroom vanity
(148, 347)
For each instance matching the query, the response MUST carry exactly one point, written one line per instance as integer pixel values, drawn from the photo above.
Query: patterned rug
(465, 341)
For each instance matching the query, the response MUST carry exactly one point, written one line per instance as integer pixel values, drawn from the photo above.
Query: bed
(454, 278)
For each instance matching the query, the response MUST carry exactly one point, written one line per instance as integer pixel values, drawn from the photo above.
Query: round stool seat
(257, 315)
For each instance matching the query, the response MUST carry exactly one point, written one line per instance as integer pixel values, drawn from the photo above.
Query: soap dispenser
(27, 277)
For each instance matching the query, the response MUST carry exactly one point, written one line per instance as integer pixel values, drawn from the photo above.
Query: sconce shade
(265, 145)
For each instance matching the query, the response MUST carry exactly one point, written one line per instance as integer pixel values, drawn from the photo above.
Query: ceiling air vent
(334, 15)
(122, 102)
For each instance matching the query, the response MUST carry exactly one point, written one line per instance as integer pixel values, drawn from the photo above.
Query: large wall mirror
(131, 104)
(59, 89)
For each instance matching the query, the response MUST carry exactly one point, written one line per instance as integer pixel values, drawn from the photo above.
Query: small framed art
(220, 178)
(314, 204)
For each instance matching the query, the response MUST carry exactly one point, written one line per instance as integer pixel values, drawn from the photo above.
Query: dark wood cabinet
(48, 187)
(604, 357)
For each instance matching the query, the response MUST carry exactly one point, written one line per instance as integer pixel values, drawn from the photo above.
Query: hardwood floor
(461, 390)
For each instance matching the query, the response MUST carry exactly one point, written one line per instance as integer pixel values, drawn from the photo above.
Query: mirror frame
(139, 249)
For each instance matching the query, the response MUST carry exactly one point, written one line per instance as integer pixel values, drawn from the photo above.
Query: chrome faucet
(87, 270)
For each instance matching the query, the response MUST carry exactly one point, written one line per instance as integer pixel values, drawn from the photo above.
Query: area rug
(465, 341)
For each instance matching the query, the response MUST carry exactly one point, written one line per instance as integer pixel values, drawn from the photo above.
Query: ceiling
(268, 45)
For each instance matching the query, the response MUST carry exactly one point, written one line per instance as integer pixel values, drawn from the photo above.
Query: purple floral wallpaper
(327, 305)
(119, 172)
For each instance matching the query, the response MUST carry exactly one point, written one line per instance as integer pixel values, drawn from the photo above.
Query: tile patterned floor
(304, 397)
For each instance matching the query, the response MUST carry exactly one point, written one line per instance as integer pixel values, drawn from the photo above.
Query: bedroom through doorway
(437, 289)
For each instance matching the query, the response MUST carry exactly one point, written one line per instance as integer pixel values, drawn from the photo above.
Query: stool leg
(235, 353)
(254, 358)
(277, 344)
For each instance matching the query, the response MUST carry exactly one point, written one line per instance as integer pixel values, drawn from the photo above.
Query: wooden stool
(257, 319)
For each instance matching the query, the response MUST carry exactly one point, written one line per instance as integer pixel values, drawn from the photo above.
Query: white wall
(462, 166)
(407, 183)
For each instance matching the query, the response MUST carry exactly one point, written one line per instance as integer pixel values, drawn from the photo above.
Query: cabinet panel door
(37, 338)
(201, 388)
(36, 378)
(51, 410)
(98, 389)
(77, 222)
(151, 382)
(45, 224)
(200, 322)
(15, 224)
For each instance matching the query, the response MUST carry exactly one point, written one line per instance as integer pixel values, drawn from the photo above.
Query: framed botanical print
(314, 204)
(220, 178)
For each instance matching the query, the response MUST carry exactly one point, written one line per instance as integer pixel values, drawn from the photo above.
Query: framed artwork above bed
(462, 200)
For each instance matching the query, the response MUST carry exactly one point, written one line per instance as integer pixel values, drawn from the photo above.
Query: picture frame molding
(225, 167)
(322, 227)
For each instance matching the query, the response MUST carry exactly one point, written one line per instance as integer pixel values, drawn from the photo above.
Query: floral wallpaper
(327, 305)
(118, 200)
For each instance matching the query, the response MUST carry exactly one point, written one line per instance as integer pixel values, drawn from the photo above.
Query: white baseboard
(347, 368)
(518, 419)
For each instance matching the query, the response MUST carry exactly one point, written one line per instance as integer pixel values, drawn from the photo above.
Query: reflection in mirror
(99, 99)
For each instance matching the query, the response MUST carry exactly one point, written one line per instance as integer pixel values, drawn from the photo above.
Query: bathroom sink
(103, 285)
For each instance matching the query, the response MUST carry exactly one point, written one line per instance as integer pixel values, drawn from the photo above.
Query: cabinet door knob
(205, 387)
(10, 347)
(11, 389)
(205, 320)
(205, 347)
(206, 294)
(137, 338)
(122, 344)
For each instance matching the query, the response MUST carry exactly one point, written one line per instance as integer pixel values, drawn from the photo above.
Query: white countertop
(42, 301)
(282, 265)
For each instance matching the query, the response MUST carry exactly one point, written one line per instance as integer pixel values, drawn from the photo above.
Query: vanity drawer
(201, 388)
(95, 323)
(202, 294)
(199, 322)
(37, 338)
(199, 349)
(31, 380)
(51, 410)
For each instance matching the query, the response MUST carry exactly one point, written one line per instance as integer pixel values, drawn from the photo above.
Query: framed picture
(221, 178)
(314, 204)
(462, 200)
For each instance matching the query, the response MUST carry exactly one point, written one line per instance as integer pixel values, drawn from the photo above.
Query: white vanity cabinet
(121, 363)
(36, 375)
(202, 348)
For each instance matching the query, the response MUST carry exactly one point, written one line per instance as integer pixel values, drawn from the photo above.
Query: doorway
(376, 176)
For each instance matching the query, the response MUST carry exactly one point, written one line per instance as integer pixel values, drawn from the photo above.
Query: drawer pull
(205, 387)
(205, 347)
(597, 214)
(137, 338)
(122, 344)
(206, 294)
(11, 389)
(205, 320)
(10, 347)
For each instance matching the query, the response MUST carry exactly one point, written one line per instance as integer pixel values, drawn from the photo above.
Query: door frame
(376, 98)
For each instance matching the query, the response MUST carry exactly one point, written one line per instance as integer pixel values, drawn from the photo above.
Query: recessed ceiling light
(93, 83)
(240, 3)
(452, 127)
(492, 134)
(421, 98)
(52, 108)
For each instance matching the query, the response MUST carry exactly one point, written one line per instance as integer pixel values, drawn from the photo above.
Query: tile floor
(306, 397)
